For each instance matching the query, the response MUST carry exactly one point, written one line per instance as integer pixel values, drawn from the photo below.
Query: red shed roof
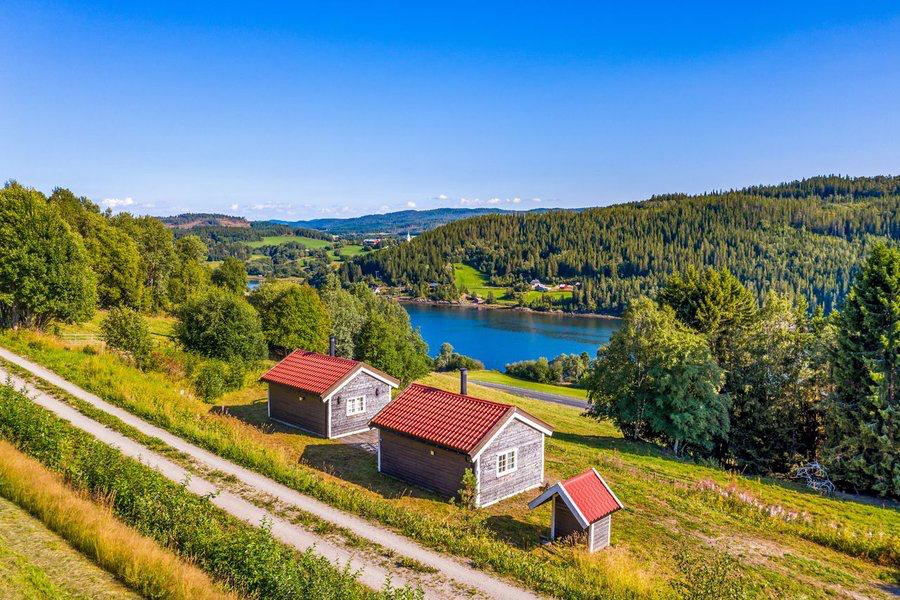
(587, 496)
(319, 373)
(458, 422)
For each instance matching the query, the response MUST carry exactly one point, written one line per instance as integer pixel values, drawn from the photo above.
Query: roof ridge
(465, 396)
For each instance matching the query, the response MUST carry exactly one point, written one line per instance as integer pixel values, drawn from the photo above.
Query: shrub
(215, 377)
(219, 324)
(243, 557)
(448, 360)
(125, 330)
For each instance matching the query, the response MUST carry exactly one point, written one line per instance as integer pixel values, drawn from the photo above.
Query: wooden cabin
(582, 503)
(326, 395)
(430, 437)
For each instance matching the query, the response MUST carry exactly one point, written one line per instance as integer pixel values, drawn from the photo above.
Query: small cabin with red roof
(583, 502)
(430, 437)
(325, 394)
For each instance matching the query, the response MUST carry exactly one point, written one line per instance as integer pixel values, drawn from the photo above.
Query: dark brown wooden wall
(412, 460)
(566, 523)
(300, 409)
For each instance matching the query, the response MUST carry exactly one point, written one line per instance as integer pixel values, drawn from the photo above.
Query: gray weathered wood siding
(600, 534)
(421, 463)
(529, 472)
(300, 409)
(565, 522)
(377, 395)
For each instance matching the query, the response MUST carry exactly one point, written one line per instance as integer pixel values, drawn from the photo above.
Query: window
(356, 406)
(507, 462)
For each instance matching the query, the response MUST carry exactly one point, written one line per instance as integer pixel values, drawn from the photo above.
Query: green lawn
(503, 378)
(477, 283)
(350, 250)
(37, 563)
(785, 541)
(275, 240)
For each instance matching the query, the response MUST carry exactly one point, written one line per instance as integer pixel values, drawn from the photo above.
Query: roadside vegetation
(506, 379)
(245, 559)
(92, 528)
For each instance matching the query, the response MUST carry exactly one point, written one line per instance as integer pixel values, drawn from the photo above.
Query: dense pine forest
(804, 237)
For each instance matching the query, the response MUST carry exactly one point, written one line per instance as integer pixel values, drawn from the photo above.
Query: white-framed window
(356, 406)
(507, 461)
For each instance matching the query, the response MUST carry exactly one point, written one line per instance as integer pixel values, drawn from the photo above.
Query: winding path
(371, 573)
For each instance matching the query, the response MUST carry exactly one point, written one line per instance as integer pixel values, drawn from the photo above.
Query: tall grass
(92, 528)
(244, 558)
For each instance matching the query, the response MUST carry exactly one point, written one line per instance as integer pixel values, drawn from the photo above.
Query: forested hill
(803, 237)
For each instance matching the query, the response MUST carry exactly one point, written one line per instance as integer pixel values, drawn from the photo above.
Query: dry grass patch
(91, 528)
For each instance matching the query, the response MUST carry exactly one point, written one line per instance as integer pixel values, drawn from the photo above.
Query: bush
(448, 360)
(125, 330)
(215, 377)
(219, 324)
(243, 557)
(565, 368)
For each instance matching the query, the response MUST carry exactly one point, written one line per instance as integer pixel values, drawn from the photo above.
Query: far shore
(409, 300)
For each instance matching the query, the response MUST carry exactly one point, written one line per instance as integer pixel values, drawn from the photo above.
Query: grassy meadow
(477, 283)
(779, 540)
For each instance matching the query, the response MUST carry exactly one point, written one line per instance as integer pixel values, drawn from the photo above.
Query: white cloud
(384, 208)
(234, 207)
(442, 197)
(410, 204)
(118, 202)
(494, 201)
(271, 206)
(516, 200)
(345, 209)
(535, 199)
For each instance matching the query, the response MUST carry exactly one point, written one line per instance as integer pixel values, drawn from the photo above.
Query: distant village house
(326, 395)
(430, 437)
(581, 503)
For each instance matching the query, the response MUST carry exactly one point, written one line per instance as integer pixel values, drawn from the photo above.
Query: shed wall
(297, 408)
(600, 534)
(565, 522)
(421, 463)
(377, 395)
(530, 470)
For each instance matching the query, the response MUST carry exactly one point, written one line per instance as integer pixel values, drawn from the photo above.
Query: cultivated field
(780, 539)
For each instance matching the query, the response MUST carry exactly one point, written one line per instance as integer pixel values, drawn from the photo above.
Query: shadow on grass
(255, 413)
(514, 532)
(352, 463)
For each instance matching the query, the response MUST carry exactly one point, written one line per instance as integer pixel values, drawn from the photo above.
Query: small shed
(581, 503)
(326, 395)
(430, 437)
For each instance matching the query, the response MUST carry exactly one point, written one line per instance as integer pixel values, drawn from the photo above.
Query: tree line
(762, 387)
(803, 238)
(62, 258)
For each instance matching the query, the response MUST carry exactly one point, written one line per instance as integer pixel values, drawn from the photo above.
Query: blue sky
(301, 111)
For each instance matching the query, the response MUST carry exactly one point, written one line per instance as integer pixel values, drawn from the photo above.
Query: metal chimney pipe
(464, 381)
(332, 346)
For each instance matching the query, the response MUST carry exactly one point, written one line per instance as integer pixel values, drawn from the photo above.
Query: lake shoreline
(499, 307)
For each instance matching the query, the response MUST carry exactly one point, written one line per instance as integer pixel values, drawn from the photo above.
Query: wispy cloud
(118, 202)
(234, 207)
(410, 204)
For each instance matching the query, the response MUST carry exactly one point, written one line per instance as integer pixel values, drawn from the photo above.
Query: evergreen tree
(863, 412)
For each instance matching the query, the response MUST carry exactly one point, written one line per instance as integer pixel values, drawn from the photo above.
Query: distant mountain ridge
(395, 223)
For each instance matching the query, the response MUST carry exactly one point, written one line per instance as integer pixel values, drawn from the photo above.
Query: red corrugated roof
(310, 371)
(591, 495)
(451, 420)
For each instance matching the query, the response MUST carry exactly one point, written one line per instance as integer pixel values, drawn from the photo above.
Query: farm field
(781, 540)
(37, 563)
(498, 377)
(476, 282)
(275, 240)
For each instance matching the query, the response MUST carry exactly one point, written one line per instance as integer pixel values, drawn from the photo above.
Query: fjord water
(497, 337)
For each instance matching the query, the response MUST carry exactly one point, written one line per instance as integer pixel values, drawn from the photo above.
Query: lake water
(497, 337)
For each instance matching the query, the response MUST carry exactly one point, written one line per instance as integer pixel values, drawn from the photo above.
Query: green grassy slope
(498, 377)
(786, 541)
